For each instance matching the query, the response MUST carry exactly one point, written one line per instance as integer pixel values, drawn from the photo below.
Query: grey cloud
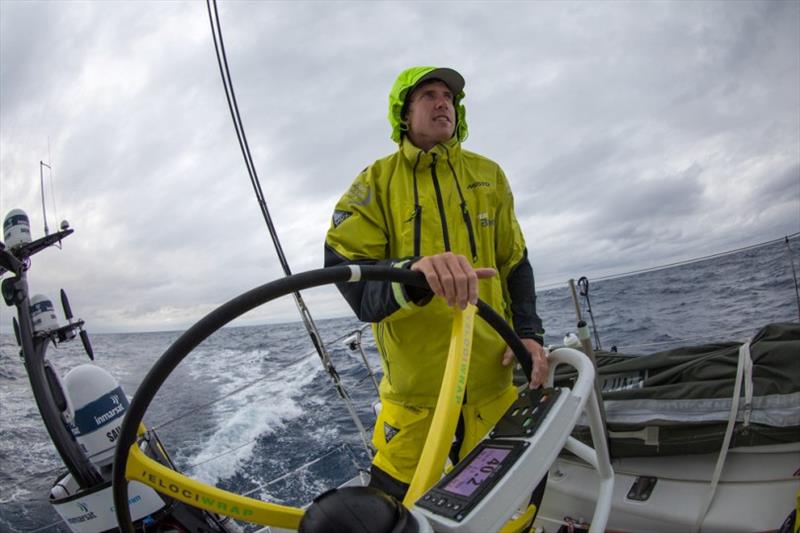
(672, 195)
(638, 130)
(784, 187)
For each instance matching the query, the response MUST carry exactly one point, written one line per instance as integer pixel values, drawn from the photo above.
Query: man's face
(431, 116)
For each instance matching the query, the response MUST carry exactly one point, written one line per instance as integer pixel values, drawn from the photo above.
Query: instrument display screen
(475, 473)
(464, 487)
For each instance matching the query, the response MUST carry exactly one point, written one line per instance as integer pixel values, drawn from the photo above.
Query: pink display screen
(469, 479)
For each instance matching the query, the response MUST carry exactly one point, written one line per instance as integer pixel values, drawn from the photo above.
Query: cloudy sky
(633, 133)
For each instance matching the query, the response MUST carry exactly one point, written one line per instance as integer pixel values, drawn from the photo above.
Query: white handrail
(598, 456)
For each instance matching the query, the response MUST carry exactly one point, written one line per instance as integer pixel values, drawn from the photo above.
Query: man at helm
(436, 208)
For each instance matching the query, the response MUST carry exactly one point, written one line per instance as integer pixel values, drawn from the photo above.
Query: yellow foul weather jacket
(415, 203)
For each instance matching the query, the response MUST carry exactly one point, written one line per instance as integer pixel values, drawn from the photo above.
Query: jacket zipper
(417, 215)
(468, 222)
(440, 203)
(465, 214)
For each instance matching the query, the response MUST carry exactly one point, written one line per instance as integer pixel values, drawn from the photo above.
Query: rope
(316, 339)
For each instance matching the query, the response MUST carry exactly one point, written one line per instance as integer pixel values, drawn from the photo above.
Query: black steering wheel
(129, 461)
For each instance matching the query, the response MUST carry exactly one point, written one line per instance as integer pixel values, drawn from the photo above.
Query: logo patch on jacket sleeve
(389, 432)
(340, 216)
(359, 194)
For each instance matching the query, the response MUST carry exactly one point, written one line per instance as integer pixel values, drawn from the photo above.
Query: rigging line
(52, 181)
(219, 47)
(205, 405)
(236, 448)
(794, 272)
(316, 339)
(695, 260)
(692, 339)
(299, 359)
(230, 94)
(225, 396)
(304, 466)
(38, 476)
(45, 528)
(677, 263)
(223, 454)
(244, 387)
(41, 179)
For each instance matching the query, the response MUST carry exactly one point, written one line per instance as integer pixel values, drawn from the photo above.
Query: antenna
(41, 177)
(84, 336)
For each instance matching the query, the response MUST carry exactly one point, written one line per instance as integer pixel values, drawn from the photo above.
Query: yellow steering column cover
(448, 406)
(175, 485)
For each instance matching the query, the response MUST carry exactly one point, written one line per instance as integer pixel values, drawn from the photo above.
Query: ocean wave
(277, 407)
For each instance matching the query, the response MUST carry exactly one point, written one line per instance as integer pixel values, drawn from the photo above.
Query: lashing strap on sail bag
(744, 373)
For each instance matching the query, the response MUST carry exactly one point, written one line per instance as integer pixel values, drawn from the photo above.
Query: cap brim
(450, 77)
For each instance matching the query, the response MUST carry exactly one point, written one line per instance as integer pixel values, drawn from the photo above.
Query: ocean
(253, 411)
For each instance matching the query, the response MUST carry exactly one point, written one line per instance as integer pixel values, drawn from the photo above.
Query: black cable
(233, 106)
(230, 95)
(305, 314)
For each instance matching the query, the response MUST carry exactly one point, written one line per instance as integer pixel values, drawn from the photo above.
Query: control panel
(499, 474)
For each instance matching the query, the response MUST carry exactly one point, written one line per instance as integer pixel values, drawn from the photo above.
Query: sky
(633, 134)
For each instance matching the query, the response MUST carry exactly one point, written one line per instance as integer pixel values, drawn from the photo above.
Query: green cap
(408, 80)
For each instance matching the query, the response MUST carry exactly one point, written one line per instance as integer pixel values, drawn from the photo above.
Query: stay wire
(311, 328)
(185, 414)
(52, 184)
(794, 272)
(604, 277)
(696, 260)
(343, 446)
(48, 527)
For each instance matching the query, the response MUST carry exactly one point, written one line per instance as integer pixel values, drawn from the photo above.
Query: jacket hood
(407, 80)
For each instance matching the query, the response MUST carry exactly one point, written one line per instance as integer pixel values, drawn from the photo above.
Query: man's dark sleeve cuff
(418, 295)
(538, 338)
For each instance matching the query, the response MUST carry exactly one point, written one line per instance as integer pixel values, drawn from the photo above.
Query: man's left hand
(538, 358)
